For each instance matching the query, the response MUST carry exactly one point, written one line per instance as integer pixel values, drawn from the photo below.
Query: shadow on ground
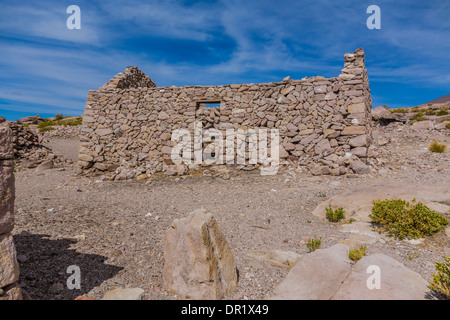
(44, 272)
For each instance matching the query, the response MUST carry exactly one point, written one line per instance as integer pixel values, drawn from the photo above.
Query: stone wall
(9, 268)
(324, 123)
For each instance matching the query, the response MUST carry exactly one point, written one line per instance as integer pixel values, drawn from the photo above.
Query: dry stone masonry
(324, 123)
(131, 78)
(9, 268)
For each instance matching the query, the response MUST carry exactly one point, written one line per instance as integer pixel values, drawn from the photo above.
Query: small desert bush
(447, 126)
(442, 112)
(402, 220)
(400, 110)
(430, 112)
(313, 244)
(356, 254)
(59, 116)
(441, 280)
(437, 147)
(418, 117)
(335, 215)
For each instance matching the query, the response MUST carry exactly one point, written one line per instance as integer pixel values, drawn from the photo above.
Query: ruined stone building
(323, 123)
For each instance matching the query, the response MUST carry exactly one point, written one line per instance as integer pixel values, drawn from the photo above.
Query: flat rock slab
(358, 205)
(124, 294)
(328, 274)
(360, 233)
(316, 276)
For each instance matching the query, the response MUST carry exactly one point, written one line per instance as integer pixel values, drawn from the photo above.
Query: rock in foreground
(199, 263)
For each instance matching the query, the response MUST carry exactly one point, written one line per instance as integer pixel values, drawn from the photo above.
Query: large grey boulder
(385, 116)
(199, 263)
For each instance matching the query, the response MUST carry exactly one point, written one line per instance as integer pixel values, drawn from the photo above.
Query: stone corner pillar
(9, 268)
(359, 104)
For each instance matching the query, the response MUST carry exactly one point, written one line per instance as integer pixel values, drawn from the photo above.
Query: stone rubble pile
(324, 124)
(28, 149)
(132, 77)
(25, 140)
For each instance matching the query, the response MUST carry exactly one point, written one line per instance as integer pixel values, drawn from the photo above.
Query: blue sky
(48, 69)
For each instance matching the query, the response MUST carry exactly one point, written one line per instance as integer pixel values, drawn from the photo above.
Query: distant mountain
(443, 99)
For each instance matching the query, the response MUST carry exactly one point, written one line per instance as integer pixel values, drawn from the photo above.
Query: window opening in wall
(209, 104)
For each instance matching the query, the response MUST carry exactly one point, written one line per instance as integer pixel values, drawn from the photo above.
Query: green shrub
(313, 244)
(441, 280)
(75, 122)
(437, 147)
(442, 112)
(430, 112)
(403, 220)
(59, 116)
(335, 215)
(356, 254)
(418, 117)
(447, 126)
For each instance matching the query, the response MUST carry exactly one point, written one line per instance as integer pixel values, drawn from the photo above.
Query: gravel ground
(112, 230)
